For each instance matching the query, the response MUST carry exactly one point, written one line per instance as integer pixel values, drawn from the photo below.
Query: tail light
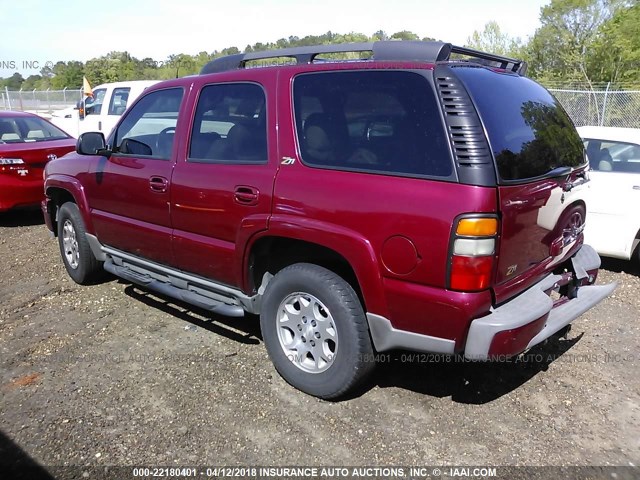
(472, 253)
(8, 165)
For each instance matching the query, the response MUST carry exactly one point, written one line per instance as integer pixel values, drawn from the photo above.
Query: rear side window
(230, 125)
(611, 156)
(93, 104)
(529, 132)
(119, 98)
(376, 121)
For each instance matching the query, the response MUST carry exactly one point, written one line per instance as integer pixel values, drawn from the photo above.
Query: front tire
(315, 331)
(76, 253)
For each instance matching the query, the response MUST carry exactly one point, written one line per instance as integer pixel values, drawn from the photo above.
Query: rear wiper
(558, 172)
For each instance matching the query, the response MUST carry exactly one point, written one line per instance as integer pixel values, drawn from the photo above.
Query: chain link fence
(609, 108)
(39, 101)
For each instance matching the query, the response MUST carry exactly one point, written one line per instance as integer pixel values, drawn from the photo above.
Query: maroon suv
(422, 198)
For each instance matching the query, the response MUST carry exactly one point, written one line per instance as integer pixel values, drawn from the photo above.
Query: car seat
(606, 162)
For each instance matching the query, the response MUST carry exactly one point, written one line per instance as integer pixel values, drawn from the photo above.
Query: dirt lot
(111, 375)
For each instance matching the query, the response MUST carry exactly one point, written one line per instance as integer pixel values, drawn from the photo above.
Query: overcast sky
(34, 32)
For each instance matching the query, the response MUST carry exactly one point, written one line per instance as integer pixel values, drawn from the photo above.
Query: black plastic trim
(472, 155)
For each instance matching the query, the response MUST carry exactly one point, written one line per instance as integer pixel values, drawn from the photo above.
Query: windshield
(530, 133)
(28, 129)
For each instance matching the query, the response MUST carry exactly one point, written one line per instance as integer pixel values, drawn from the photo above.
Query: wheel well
(635, 247)
(577, 203)
(272, 254)
(59, 197)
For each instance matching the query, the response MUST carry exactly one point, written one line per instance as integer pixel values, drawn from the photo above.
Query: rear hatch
(540, 166)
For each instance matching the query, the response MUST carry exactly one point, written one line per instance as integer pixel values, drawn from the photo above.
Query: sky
(34, 32)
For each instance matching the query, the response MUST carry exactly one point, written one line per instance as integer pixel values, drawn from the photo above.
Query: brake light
(472, 253)
(8, 165)
(11, 161)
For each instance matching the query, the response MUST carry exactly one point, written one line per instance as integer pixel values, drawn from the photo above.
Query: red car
(27, 143)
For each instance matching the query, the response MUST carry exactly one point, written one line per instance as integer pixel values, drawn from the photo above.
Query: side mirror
(92, 143)
(80, 107)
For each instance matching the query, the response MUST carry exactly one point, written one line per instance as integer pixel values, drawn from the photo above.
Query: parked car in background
(100, 112)
(613, 205)
(27, 143)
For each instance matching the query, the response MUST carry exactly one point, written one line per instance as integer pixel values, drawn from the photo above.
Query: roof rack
(386, 50)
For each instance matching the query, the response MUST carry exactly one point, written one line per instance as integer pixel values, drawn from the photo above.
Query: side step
(147, 281)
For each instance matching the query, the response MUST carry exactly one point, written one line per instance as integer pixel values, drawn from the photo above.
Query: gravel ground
(111, 375)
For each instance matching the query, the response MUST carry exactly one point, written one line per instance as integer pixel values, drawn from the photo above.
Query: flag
(86, 87)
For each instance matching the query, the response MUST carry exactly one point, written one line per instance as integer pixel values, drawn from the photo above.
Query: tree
(32, 82)
(14, 82)
(616, 51)
(404, 35)
(379, 35)
(67, 75)
(493, 40)
(568, 31)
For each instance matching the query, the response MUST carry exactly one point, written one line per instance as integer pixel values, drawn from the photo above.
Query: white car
(101, 112)
(613, 203)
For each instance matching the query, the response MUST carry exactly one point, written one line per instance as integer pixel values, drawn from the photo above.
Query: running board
(202, 300)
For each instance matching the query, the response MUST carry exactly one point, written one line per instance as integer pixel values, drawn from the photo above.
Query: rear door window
(529, 132)
(230, 125)
(374, 121)
(119, 98)
(93, 105)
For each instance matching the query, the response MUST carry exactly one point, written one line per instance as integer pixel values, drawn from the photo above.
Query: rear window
(374, 121)
(27, 130)
(529, 132)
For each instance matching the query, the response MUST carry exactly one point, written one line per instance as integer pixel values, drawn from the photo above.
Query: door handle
(636, 187)
(245, 195)
(158, 184)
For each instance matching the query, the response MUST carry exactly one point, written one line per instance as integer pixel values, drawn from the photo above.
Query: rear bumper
(513, 327)
(16, 192)
(532, 317)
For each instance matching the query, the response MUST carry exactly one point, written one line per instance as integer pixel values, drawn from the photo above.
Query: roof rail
(385, 50)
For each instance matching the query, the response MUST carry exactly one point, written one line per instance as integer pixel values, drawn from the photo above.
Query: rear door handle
(245, 195)
(636, 187)
(158, 184)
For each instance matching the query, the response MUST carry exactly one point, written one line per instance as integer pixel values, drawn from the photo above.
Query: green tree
(67, 74)
(404, 35)
(32, 82)
(14, 82)
(560, 48)
(616, 51)
(380, 35)
(491, 39)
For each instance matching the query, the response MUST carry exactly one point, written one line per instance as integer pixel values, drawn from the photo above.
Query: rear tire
(315, 331)
(76, 253)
